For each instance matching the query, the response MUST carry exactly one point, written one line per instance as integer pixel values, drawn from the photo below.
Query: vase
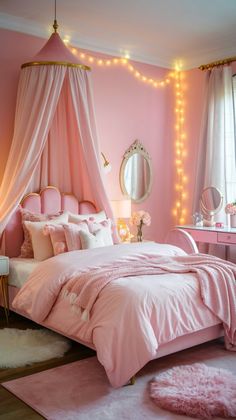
(233, 220)
(139, 233)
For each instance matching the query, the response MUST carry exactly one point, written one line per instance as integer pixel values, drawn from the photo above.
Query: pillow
(91, 240)
(57, 236)
(26, 215)
(105, 227)
(76, 218)
(42, 245)
(72, 234)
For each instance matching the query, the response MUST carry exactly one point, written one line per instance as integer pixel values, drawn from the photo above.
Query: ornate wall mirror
(211, 203)
(136, 173)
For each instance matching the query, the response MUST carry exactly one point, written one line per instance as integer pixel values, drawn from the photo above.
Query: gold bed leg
(131, 381)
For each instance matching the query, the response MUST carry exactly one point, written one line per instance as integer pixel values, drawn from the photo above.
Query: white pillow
(105, 228)
(76, 218)
(91, 240)
(42, 245)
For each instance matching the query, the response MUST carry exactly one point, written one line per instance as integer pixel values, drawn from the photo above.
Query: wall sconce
(106, 164)
(122, 210)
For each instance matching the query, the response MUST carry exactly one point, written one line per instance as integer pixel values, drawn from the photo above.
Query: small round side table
(4, 272)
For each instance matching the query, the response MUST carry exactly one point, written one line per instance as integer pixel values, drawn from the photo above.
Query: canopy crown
(54, 52)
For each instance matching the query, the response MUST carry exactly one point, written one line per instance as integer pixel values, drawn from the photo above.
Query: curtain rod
(217, 63)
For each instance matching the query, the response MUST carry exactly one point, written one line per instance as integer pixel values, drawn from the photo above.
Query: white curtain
(216, 159)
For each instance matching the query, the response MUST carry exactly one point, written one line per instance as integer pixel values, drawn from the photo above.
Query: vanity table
(212, 235)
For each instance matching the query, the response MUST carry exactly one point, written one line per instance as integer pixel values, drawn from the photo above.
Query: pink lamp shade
(121, 208)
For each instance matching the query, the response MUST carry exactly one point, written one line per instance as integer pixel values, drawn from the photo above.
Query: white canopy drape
(55, 138)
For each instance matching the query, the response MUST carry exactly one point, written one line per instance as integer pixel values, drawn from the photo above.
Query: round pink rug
(196, 390)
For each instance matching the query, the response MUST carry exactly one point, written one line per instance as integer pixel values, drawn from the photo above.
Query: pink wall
(126, 109)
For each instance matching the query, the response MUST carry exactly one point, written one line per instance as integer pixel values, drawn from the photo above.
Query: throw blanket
(216, 278)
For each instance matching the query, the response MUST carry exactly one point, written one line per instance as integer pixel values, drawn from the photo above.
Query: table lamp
(122, 210)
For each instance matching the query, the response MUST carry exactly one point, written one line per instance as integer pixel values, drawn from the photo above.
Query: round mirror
(136, 173)
(211, 202)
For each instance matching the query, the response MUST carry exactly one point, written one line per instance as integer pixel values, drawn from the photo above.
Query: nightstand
(4, 272)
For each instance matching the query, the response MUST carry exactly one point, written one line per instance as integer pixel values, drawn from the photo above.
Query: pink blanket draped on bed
(217, 280)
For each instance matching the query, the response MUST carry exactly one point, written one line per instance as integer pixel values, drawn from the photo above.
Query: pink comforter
(131, 316)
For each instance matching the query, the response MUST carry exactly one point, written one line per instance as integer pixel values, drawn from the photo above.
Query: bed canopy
(55, 139)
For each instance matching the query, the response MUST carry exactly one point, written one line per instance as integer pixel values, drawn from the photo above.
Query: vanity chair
(182, 239)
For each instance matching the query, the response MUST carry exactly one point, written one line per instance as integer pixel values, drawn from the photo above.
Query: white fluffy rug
(23, 347)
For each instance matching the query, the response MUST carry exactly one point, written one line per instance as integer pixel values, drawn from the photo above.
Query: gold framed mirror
(136, 173)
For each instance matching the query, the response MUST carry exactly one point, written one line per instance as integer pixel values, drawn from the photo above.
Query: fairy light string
(179, 210)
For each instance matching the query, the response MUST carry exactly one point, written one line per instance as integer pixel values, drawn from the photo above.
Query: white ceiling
(151, 31)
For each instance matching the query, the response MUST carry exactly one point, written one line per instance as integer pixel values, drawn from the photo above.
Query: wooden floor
(11, 408)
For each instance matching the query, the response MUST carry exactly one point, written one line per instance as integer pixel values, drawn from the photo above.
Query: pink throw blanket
(216, 278)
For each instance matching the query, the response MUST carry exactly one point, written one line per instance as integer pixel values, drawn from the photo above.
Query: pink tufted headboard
(50, 200)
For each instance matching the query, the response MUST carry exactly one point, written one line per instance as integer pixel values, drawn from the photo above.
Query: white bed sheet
(20, 269)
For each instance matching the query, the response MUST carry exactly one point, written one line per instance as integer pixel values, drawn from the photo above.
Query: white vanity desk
(212, 235)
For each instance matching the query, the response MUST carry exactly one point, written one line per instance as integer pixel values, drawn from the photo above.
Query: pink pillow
(26, 215)
(41, 244)
(72, 231)
(57, 236)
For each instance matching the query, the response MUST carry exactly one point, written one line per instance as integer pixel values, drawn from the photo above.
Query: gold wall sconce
(106, 164)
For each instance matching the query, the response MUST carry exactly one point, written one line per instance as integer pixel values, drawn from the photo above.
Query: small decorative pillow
(105, 227)
(91, 240)
(72, 234)
(42, 245)
(26, 215)
(77, 218)
(57, 236)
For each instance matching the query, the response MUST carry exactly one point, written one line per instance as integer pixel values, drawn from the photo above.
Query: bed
(133, 318)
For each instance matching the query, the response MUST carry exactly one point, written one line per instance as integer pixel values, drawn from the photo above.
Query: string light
(124, 61)
(179, 211)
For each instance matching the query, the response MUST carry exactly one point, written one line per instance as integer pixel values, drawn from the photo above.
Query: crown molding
(28, 27)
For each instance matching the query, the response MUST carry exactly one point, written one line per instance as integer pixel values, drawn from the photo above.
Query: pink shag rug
(196, 390)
